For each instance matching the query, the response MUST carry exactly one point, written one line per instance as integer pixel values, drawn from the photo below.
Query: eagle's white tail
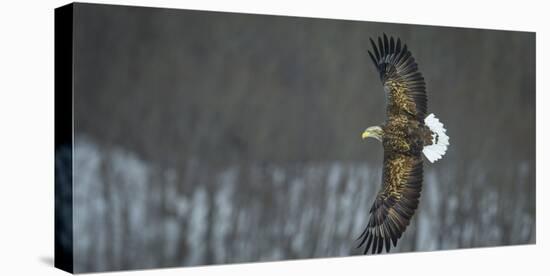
(440, 140)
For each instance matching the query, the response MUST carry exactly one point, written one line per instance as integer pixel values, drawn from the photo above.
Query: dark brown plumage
(403, 136)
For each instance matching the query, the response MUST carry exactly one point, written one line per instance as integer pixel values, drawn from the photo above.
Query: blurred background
(211, 138)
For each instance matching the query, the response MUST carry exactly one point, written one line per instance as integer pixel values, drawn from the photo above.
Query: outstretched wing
(404, 85)
(395, 203)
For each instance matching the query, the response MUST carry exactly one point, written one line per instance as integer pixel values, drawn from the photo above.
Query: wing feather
(398, 46)
(399, 73)
(395, 203)
(375, 49)
(381, 47)
(386, 47)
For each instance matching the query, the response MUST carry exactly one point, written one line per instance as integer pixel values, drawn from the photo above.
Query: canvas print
(188, 138)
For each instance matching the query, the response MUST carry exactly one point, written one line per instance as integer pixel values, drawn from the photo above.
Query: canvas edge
(63, 86)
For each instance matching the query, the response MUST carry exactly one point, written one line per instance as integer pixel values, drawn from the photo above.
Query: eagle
(407, 134)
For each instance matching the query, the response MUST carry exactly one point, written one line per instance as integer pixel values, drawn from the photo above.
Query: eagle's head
(373, 132)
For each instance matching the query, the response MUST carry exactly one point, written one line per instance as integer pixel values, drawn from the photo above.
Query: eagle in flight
(407, 134)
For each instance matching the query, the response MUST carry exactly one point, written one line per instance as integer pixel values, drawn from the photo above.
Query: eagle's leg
(427, 136)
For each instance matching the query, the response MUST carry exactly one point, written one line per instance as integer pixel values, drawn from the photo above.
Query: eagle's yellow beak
(365, 134)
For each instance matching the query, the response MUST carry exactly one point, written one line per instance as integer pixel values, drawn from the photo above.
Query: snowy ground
(131, 214)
